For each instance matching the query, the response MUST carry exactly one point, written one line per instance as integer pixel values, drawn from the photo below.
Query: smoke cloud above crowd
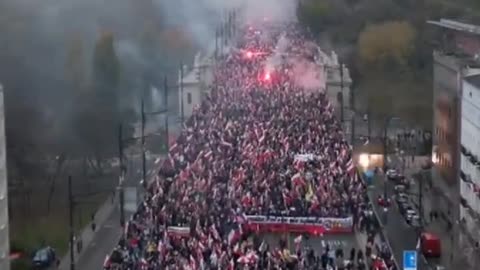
(201, 17)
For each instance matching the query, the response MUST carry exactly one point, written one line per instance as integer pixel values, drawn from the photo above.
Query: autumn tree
(386, 46)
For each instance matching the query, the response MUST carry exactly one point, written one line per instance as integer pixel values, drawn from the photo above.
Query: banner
(305, 157)
(178, 231)
(310, 225)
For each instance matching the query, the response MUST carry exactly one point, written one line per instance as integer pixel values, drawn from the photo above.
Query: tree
(314, 14)
(386, 46)
(75, 66)
(106, 69)
(98, 113)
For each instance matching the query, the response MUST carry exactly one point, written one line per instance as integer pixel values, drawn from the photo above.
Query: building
(454, 58)
(4, 232)
(194, 84)
(470, 161)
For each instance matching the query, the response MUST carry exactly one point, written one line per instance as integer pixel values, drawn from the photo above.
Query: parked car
(410, 213)
(415, 222)
(44, 258)
(392, 173)
(398, 179)
(383, 202)
(405, 208)
(400, 188)
(411, 216)
(430, 245)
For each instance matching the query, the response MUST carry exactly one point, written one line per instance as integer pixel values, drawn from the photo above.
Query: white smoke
(201, 17)
(307, 74)
(275, 60)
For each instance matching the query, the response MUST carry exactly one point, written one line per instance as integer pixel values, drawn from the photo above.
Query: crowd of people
(260, 143)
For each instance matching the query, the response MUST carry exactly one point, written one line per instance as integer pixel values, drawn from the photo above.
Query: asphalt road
(108, 234)
(399, 234)
(105, 239)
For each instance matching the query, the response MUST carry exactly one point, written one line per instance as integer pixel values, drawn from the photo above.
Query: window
(189, 98)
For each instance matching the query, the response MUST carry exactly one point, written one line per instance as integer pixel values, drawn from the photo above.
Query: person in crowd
(237, 156)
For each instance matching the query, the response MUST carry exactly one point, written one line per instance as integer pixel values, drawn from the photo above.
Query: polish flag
(350, 166)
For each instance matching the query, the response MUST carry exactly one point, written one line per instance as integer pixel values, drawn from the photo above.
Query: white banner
(326, 222)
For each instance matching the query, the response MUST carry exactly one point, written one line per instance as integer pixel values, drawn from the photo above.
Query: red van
(430, 245)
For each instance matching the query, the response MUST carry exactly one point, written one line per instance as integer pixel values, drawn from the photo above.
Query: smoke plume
(201, 17)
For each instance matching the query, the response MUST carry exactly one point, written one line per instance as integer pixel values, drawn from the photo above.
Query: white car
(392, 173)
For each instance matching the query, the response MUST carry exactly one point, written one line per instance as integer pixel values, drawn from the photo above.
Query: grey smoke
(201, 17)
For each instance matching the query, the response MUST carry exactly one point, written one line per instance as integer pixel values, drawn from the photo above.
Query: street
(400, 235)
(106, 237)
(98, 244)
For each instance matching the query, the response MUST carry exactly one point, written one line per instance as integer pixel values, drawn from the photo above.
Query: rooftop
(457, 26)
(474, 80)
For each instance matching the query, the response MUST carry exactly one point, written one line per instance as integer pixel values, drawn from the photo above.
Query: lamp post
(182, 111)
(340, 97)
(70, 218)
(143, 136)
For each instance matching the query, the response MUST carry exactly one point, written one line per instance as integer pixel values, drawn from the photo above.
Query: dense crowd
(259, 144)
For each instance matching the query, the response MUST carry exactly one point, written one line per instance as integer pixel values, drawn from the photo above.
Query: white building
(194, 84)
(4, 232)
(470, 156)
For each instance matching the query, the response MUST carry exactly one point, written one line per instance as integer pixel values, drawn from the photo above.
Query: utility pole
(122, 177)
(216, 43)
(369, 123)
(182, 113)
(144, 162)
(420, 197)
(70, 218)
(352, 105)
(341, 93)
(234, 19)
(385, 150)
(165, 89)
(221, 39)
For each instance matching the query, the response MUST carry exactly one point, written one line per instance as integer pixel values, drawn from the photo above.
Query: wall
(192, 96)
(445, 198)
(470, 140)
(469, 44)
(4, 232)
(446, 118)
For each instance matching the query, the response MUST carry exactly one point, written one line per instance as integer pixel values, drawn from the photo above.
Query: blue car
(44, 258)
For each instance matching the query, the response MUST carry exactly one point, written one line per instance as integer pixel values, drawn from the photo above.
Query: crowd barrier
(306, 225)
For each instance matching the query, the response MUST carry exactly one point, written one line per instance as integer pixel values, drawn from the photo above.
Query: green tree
(386, 46)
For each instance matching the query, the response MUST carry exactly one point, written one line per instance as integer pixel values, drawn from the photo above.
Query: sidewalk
(87, 235)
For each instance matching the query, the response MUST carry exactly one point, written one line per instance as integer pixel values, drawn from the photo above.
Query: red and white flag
(350, 166)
